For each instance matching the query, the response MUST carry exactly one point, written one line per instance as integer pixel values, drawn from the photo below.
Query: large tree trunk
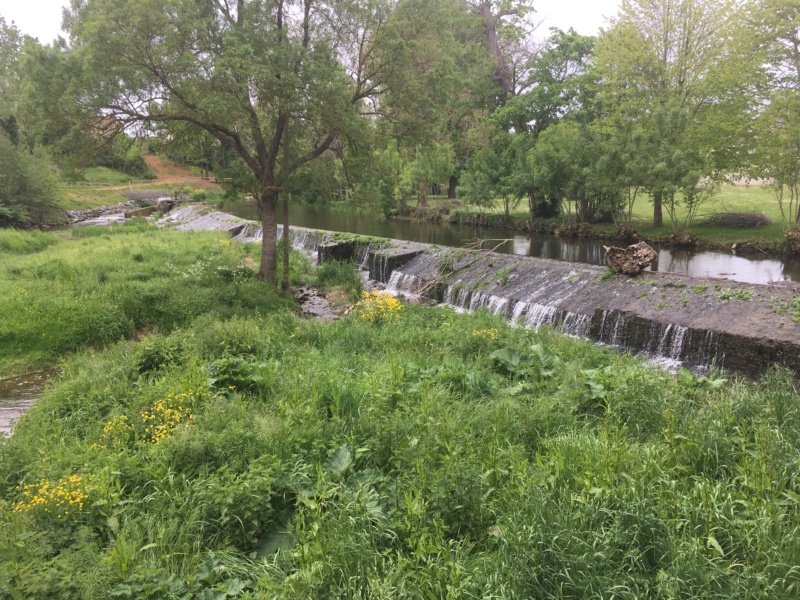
(502, 74)
(452, 184)
(268, 207)
(658, 217)
(422, 197)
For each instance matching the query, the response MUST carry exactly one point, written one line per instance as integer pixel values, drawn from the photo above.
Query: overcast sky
(42, 18)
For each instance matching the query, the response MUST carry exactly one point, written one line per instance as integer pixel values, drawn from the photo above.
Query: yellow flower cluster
(161, 419)
(378, 307)
(69, 493)
(485, 333)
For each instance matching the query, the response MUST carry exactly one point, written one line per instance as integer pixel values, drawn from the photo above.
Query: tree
(776, 24)
(673, 68)
(503, 18)
(279, 82)
(10, 42)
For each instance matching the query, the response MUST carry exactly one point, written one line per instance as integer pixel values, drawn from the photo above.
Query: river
(696, 263)
(17, 394)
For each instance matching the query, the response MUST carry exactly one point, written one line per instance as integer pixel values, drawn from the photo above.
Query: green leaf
(339, 462)
(685, 378)
(276, 538)
(713, 543)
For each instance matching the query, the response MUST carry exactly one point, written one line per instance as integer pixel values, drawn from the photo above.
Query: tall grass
(89, 287)
(402, 460)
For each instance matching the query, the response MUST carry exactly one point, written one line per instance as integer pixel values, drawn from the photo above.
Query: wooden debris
(630, 260)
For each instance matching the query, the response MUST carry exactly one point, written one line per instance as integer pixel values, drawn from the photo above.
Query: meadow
(233, 450)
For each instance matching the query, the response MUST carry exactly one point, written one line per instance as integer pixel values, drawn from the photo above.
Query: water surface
(686, 262)
(17, 394)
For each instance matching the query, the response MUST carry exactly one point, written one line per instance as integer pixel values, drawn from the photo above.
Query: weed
(699, 289)
(607, 275)
(724, 296)
(502, 276)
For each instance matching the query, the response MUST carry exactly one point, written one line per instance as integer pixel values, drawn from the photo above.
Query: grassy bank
(401, 452)
(89, 287)
(731, 199)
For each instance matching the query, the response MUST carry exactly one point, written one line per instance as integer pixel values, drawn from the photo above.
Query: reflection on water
(686, 262)
(17, 394)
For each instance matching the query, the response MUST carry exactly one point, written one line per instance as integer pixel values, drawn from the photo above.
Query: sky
(42, 18)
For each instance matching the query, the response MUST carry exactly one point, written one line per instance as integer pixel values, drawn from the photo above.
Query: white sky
(42, 18)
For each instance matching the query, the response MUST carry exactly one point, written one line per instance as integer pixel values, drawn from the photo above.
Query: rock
(683, 239)
(630, 260)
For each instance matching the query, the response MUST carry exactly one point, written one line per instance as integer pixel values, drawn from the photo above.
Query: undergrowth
(436, 455)
(234, 450)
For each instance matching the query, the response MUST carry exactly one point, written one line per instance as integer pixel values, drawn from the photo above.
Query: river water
(17, 394)
(685, 262)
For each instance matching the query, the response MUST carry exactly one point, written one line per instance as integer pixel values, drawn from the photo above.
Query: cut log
(630, 260)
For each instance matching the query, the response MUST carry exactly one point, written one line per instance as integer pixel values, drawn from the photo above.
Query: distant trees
(776, 27)
(674, 69)
(376, 102)
(28, 191)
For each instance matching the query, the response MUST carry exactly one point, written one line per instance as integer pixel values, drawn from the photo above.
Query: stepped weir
(699, 322)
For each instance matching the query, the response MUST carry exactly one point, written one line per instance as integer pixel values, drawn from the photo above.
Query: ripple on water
(17, 394)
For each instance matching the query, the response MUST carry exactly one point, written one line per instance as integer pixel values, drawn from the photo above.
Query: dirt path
(167, 174)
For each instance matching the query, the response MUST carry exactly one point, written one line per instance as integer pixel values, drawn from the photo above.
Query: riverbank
(731, 241)
(408, 455)
(399, 452)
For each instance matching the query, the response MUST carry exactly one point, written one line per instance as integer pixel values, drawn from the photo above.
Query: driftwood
(630, 260)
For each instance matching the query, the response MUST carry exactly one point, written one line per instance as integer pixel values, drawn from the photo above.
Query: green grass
(731, 198)
(106, 176)
(233, 450)
(62, 292)
(443, 455)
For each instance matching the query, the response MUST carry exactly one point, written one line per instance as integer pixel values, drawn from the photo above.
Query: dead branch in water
(477, 244)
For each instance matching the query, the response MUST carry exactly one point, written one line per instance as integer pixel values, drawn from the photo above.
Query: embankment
(696, 321)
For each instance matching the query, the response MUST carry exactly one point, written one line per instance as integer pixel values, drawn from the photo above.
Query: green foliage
(63, 292)
(724, 296)
(28, 192)
(410, 459)
(14, 241)
(123, 153)
(345, 275)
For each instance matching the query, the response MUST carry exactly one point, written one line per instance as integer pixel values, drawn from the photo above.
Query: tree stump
(630, 260)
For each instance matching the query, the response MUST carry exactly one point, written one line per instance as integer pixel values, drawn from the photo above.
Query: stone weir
(699, 322)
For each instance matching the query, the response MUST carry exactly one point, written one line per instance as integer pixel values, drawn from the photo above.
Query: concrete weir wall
(695, 321)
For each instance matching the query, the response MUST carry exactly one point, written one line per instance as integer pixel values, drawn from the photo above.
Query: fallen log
(630, 260)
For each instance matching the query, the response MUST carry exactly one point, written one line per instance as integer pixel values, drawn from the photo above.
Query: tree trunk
(452, 184)
(422, 197)
(502, 74)
(268, 207)
(658, 217)
(286, 244)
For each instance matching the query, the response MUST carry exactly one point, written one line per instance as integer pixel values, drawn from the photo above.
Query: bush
(28, 187)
